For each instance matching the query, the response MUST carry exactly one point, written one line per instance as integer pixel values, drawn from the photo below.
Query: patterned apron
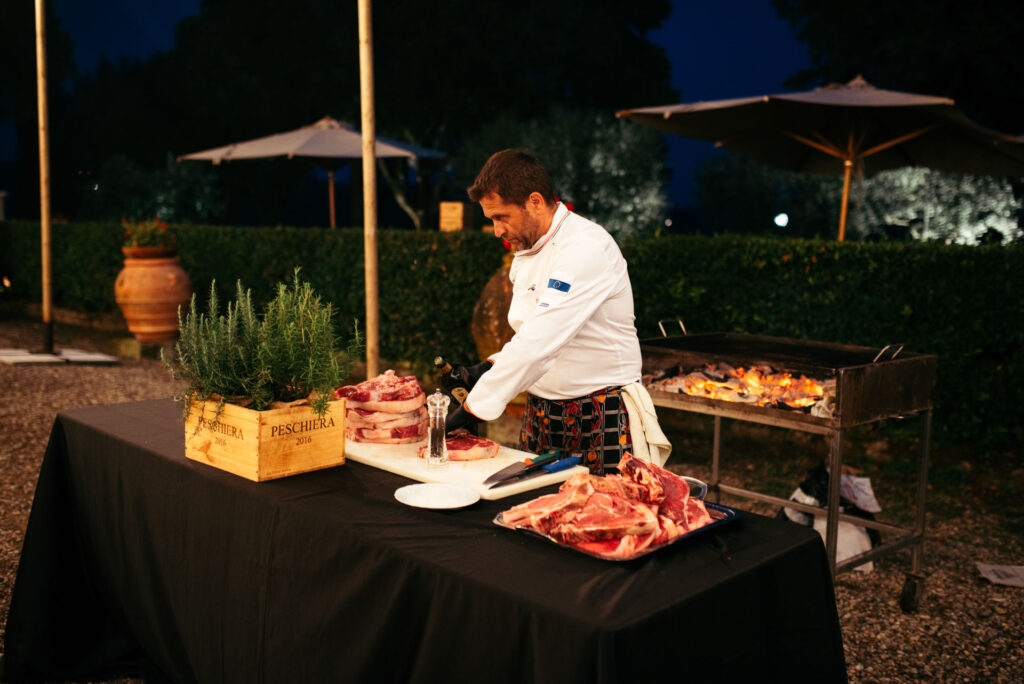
(595, 426)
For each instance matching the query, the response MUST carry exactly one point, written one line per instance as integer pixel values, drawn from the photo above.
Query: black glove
(470, 374)
(461, 418)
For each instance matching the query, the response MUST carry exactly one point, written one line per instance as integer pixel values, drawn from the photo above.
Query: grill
(862, 385)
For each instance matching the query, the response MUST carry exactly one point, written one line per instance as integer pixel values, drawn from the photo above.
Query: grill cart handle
(892, 355)
(662, 327)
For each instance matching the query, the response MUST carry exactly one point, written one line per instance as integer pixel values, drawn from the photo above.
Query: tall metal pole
(369, 186)
(44, 175)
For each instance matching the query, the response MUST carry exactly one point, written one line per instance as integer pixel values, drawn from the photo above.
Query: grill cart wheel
(913, 590)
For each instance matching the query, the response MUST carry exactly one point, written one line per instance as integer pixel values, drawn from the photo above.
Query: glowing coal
(757, 385)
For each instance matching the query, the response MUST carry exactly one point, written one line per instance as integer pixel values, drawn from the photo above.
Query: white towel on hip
(649, 442)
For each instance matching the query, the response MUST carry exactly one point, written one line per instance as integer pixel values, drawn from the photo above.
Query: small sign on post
(455, 216)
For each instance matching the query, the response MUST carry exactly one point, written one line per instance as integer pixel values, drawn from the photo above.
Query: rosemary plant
(287, 354)
(297, 347)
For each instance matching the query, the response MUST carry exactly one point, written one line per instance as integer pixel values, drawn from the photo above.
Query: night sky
(717, 50)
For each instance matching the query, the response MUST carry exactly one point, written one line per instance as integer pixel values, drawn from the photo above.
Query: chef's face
(521, 226)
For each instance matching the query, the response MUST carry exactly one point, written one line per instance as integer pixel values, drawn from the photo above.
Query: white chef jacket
(572, 312)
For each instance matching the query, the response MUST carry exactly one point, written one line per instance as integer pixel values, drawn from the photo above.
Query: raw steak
(398, 435)
(386, 392)
(664, 489)
(617, 516)
(580, 514)
(537, 513)
(463, 446)
(379, 420)
(606, 516)
(696, 514)
(623, 547)
(387, 409)
(610, 484)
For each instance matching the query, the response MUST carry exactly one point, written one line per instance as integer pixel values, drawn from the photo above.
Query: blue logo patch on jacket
(559, 285)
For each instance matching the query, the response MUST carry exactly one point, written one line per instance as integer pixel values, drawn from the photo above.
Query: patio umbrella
(325, 139)
(839, 126)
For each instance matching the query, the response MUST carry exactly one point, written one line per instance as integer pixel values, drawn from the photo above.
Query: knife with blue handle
(543, 469)
(532, 463)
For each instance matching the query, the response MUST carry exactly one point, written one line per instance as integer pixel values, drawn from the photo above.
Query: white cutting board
(403, 459)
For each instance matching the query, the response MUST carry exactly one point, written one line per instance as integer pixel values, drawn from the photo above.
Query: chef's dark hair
(513, 175)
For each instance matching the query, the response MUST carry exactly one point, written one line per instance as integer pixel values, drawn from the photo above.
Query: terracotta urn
(149, 290)
(490, 322)
(490, 326)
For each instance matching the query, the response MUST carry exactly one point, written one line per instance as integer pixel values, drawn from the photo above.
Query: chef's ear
(536, 201)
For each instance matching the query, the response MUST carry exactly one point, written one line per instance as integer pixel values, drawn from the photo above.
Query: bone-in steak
(387, 409)
(397, 435)
(463, 446)
(386, 392)
(379, 420)
(616, 516)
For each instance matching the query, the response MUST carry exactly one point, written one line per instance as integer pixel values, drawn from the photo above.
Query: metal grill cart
(864, 384)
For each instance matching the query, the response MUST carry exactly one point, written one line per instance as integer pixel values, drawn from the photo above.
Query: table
(139, 562)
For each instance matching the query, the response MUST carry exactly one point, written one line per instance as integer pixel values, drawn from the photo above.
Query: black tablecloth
(138, 561)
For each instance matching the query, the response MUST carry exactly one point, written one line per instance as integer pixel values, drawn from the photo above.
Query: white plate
(435, 495)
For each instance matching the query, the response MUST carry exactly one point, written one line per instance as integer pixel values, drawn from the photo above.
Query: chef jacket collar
(556, 222)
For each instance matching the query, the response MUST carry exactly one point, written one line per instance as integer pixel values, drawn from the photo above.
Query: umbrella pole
(330, 194)
(369, 187)
(847, 168)
(44, 177)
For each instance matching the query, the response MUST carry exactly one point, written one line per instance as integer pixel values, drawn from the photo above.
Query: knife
(544, 469)
(526, 466)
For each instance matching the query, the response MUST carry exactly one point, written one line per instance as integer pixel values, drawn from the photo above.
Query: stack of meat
(616, 516)
(387, 409)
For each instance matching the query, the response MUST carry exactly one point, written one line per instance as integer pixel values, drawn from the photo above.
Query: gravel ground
(966, 629)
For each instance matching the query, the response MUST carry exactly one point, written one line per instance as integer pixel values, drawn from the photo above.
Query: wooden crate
(265, 445)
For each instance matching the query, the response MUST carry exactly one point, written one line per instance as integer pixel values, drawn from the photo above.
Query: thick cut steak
(387, 392)
(616, 516)
(664, 488)
(379, 420)
(387, 409)
(463, 446)
(606, 516)
(545, 511)
(398, 435)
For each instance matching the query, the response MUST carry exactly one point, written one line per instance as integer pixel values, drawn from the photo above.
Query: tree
(937, 47)
(176, 193)
(915, 203)
(612, 170)
(950, 207)
(245, 68)
(738, 195)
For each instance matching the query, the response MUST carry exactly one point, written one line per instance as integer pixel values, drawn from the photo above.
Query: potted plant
(259, 386)
(152, 285)
(149, 237)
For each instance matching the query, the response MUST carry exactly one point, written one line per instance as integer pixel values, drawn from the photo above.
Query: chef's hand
(470, 374)
(461, 418)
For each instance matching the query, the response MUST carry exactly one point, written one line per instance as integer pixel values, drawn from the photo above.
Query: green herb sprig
(286, 354)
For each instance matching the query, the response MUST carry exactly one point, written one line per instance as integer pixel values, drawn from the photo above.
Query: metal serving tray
(720, 516)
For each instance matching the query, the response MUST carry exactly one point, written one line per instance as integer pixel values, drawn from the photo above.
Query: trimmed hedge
(962, 303)
(428, 282)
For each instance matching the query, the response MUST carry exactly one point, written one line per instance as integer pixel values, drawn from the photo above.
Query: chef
(575, 349)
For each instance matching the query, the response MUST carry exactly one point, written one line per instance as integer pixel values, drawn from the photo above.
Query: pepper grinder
(437, 412)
